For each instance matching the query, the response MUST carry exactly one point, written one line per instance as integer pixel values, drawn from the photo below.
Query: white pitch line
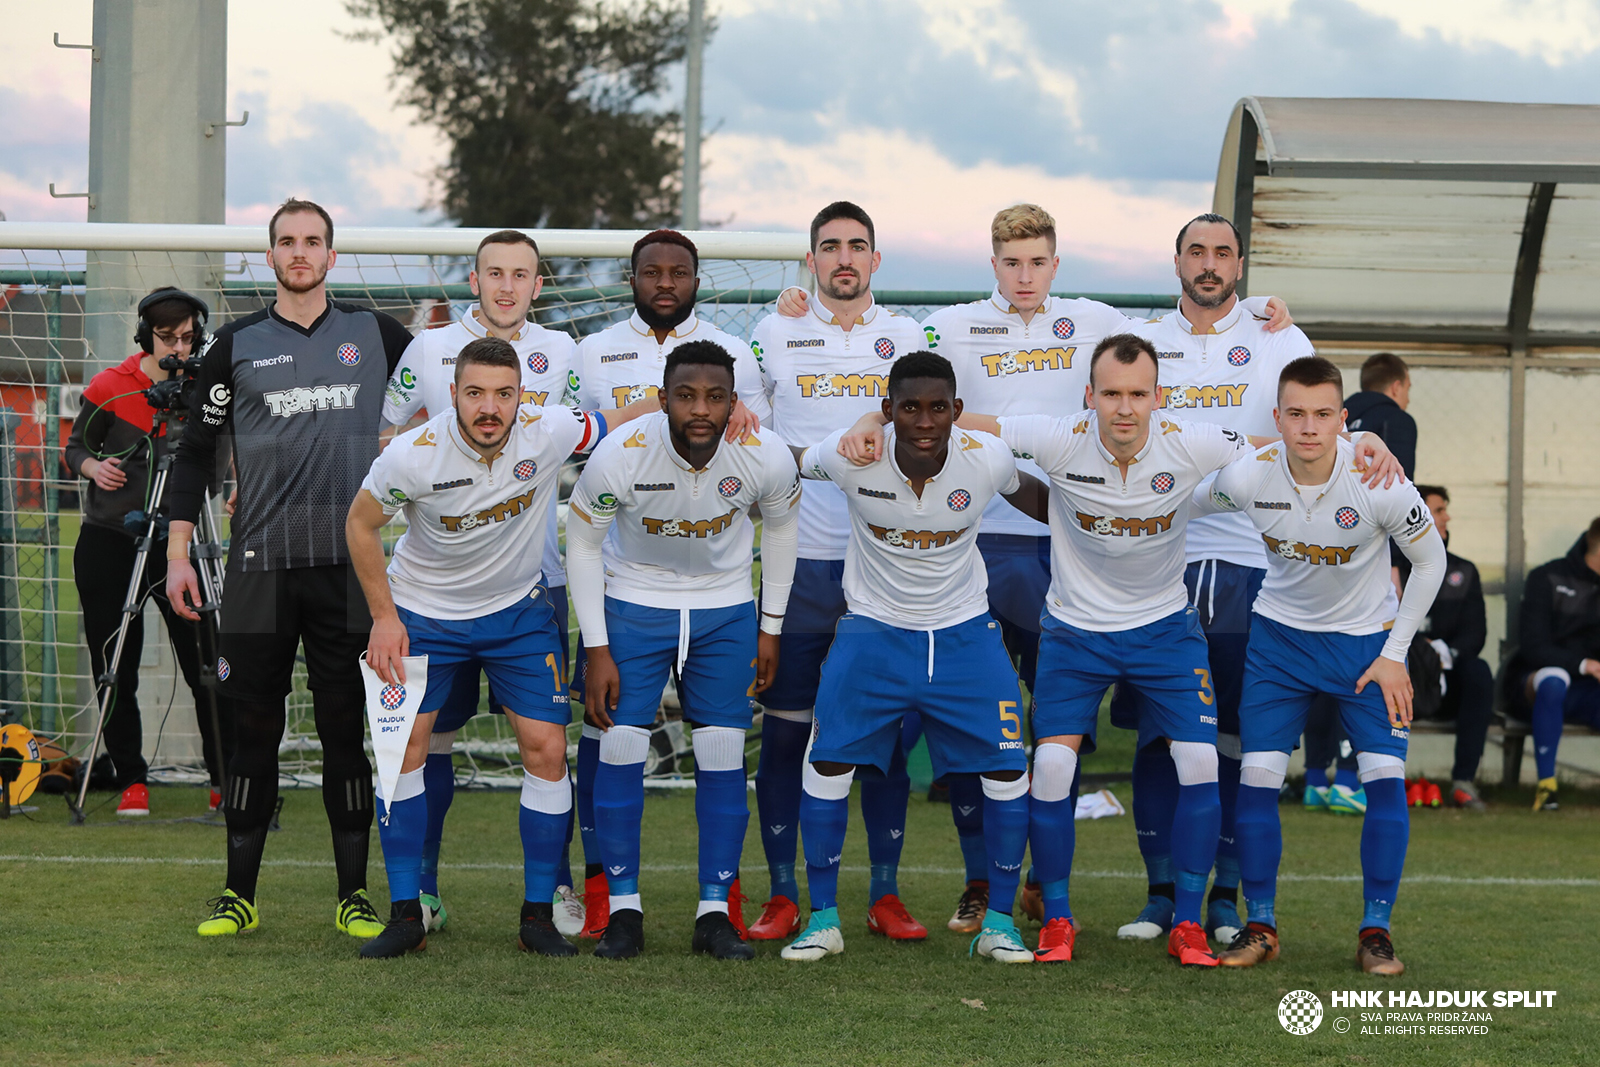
(674, 868)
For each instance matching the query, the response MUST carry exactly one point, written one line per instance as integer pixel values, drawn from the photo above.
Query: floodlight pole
(691, 116)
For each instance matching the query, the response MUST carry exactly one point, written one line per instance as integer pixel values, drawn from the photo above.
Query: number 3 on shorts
(1010, 721)
(1206, 696)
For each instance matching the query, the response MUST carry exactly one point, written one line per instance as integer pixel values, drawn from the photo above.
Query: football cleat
(968, 918)
(216, 801)
(1153, 921)
(1187, 945)
(1432, 795)
(736, 910)
(538, 934)
(1256, 943)
(356, 916)
(1465, 795)
(1222, 921)
(1002, 944)
(1376, 953)
(407, 932)
(433, 914)
(1414, 792)
(596, 907)
(820, 940)
(889, 918)
(568, 910)
(1544, 795)
(780, 918)
(230, 914)
(1032, 901)
(1316, 798)
(1055, 942)
(135, 800)
(624, 936)
(1342, 800)
(716, 936)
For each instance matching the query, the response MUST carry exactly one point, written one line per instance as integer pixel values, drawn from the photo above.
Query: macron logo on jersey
(1002, 363)
(1106, 526)
(287, 402)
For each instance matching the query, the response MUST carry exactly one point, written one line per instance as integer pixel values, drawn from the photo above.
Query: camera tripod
(206, 550)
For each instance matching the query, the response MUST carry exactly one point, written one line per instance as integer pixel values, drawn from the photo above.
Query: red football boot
(889, 918)
(596, 907)
(1187, 945)
(780, 918)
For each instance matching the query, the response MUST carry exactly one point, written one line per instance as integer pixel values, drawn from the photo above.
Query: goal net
(68, 294)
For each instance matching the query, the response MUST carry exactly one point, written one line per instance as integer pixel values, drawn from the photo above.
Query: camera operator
(114, 443)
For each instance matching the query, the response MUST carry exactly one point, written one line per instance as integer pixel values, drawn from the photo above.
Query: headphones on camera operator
(144, 333)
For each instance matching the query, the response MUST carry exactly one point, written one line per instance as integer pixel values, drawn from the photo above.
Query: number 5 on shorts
(1010, 721)
(1206, 696)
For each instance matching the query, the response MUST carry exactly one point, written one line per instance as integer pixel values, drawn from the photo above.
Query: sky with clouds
(930, 113)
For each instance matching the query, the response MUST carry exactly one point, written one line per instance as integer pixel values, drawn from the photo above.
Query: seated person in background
(1457, 627)
(1555, 675)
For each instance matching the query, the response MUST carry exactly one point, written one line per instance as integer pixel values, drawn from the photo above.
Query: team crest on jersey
(1063, 328)
(525, 470)
(349, 354)
(223, 670)
(1455, 578)
(538, 363)
(1163, 482)
(1238, 355)
(729, 486)
(959, 500)
(392, 696)
(1347, 518)
(884, 347)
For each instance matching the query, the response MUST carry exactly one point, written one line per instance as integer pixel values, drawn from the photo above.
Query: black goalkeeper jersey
(304, 407)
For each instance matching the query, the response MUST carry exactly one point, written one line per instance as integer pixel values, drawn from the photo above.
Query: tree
(547, 105)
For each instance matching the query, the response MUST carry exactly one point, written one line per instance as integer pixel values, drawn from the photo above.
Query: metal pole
(50, 464)
(691, 116)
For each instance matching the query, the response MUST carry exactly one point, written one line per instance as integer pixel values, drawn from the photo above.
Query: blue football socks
(783, 748)
(883, 810)
(439, 783)
(1548, 702)
(1260, 836)
(966, 811)
(1194, 847)
(1385, 833)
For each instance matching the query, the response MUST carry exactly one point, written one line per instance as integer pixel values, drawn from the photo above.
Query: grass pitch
(102, 964)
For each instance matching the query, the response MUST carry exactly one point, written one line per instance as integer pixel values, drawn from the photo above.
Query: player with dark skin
(698, 402)
(923, 411)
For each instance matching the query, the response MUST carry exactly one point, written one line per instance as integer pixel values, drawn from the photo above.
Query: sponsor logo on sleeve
(604, 504)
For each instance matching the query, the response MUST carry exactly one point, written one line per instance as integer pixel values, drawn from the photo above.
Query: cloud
(46, 139)
(932, 213)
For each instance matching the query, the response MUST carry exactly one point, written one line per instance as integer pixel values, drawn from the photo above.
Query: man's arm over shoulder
(1047, 440)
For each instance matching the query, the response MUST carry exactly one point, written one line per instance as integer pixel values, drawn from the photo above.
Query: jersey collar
(888, 446)
(1223, 325)
(477, 329)
(684, 329)
(1344, 457)
(1006, 307)
(828, 318)
(1149, 440)
(466, 449)
(664, 439)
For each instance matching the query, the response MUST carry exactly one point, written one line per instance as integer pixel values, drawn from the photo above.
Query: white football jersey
(682, 538)
(1116, 546)
(913, 561)
(624, 363)
(1328, 546)
(820, 378)
(549, 361)
(1228, 376)
(476, 530)
(1005, 366)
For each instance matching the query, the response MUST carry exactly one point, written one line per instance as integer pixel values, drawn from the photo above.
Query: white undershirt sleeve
(1426, 554)
(586, 578)
(780, 547)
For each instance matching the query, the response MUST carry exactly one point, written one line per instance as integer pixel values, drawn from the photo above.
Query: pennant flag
(391, 711)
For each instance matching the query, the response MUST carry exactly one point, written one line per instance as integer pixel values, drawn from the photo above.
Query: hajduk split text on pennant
(391, 712)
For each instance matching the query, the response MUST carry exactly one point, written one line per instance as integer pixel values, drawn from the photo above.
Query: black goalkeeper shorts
(266, 615)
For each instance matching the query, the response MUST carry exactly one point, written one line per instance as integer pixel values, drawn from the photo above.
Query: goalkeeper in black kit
(299, 386)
